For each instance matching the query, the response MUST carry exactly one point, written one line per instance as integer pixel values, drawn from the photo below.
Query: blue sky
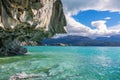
(93, 18)
(86, 17)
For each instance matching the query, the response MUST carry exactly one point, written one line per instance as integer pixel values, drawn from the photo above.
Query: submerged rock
(25, 76)
(43, 75)
(25, 22)
(19, 76)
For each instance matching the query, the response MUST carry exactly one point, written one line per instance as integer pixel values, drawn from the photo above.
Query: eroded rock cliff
(28, 21)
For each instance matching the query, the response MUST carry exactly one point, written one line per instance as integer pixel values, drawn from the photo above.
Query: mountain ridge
(84, 41)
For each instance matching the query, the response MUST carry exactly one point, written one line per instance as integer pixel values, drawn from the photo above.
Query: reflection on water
(65, 63)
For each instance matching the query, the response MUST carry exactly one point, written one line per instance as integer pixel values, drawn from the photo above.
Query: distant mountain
(114, 38)
(83, 41)
(70, 40)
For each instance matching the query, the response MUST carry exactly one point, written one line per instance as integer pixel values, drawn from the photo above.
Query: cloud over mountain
(100, 28)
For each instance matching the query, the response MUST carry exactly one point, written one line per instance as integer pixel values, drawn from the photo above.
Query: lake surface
(65, 63)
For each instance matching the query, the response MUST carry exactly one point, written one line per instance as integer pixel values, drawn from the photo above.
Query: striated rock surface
(28, 21)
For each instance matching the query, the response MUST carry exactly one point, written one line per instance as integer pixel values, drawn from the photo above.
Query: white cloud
(100, 28)
(115, 27)
(107, 18)
(100, 25)
(72, 7)
(75, 27)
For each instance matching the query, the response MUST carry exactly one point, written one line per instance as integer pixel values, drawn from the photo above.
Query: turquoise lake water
(65, 63)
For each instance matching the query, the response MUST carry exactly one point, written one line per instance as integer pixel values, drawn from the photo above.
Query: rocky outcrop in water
(24, 21)
(44, 74)
(24, 76)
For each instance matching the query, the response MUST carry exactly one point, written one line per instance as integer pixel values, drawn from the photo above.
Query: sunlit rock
(26, 21)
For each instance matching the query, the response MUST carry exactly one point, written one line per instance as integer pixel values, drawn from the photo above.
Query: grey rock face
(28, 21)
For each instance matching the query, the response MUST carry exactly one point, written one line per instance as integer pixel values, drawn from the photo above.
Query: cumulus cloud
(100, 28)
(115, 27)
(107, 18)
(73, 27)
(100, 25)
(74, 6)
